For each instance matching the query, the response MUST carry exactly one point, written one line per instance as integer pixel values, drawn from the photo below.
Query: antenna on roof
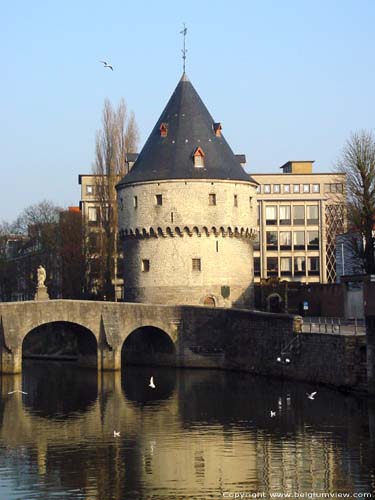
(184, 50)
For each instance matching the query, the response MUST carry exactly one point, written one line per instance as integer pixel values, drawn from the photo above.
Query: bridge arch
(148, 345)
(61, 339)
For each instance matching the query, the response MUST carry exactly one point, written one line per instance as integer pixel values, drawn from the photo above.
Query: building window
(312, 240)
(251, 201)
(198, 156)
(285, 266)
(212, 199)
(235, 200)
(296, 188)
(313, 266)
(256, 266)
(145, 265)
(159, 200)
(312, 214)
(284, 215)
(285, 240)
(258, 214)
(339, 188)
(299, 240)
(256, 242)
(299, 215)
(267, 188)
(89, 189)
(271, 240)
(271, 215)
(163, 129)
(272, 266)
(258, 189)
(316, 188)
(306, 188)
(93, 214)
(299, 266)
(172, 217)
(286, 188)
(276, 188)
(135, 201)
(217, 246)
(196, 263)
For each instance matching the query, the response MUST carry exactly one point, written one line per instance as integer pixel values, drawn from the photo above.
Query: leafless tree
(357, 161)
(119, 135)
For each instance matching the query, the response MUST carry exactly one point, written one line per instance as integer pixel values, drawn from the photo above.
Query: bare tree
(357, 161)
(119, 135)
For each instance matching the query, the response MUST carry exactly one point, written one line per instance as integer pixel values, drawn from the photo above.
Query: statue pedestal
(41, 293)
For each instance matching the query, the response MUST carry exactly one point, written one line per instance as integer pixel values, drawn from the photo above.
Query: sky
(288, 80)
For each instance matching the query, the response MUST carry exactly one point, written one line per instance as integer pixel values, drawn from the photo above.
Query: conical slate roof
(186, 125)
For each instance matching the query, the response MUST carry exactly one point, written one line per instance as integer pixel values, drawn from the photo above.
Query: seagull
(312, 395)
(12, 392)
(287, 360)
(106, 65)
(116, 434)
(151, 384)
(273, 413)
(278, 359)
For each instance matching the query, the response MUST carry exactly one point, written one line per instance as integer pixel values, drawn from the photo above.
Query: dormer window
(163, 129)
(199, 158)
(217, 129)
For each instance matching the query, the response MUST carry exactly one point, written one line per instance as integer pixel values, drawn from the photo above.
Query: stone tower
(187, 213)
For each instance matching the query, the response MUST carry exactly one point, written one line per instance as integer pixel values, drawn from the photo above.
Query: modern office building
(300, 213)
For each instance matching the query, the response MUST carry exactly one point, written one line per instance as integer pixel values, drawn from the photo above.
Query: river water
(198, 435)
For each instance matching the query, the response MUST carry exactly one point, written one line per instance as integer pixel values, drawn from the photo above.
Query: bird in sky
(312, 395)
(273, 414)
(151, 384)
(106, 65)
(116, 434)
(12, 392)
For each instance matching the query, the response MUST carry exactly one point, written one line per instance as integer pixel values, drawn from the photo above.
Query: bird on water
(151, 384)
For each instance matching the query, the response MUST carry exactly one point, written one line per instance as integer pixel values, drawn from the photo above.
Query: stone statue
(41, 276)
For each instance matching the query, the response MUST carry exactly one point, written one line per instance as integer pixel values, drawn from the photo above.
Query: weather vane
(184, 50)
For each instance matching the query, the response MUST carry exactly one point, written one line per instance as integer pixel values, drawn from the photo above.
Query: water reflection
(198, 434)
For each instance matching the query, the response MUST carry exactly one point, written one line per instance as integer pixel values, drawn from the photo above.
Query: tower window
(198, 157)
(235, 200)
(217, 129)
(172, 217)
(212, 199)
(135, 201)
(163, 129)
(217, 246)
(196, 263)
(145, 265)
(159, 199)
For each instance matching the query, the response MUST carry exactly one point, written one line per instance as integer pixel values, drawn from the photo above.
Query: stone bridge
(110, 334)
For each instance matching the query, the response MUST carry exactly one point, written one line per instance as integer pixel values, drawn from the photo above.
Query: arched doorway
(148, 345)
(274, 303)
(209, 301)
(63, 341)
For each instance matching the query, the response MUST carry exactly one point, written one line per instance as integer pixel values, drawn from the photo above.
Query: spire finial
(184, 50)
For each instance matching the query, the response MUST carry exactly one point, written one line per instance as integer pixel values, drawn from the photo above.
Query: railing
(341, 326)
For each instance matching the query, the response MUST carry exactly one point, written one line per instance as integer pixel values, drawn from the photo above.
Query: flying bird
(12, 392)
(273, 413)
(106, 65)
(312, 395)
(151, 384)
(116, 434)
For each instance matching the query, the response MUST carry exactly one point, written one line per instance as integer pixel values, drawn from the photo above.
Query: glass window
(159, 199)
(271, 215)
(299, 240)
(276, 188)
(299, 265)
(313, 265)
(145, 265)
(339, 188)
(198, 161)
(196, 264)
(258, 214)
(271, 239)
(286, 188)
(256, 242)
(312, 240)
(285, 240)
(286, 265)
(299, 215)
(306, 188)
(257, 266)
(316, 188)
(267, 188)
(312, 214)
(272, 266)
(284, 214)
(258, 189)
(93, 214)
(296, 188)
(327, 188)
(89, 189)
(212, 199)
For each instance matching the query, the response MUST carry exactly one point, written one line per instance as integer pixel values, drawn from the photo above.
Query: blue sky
(287, 80)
